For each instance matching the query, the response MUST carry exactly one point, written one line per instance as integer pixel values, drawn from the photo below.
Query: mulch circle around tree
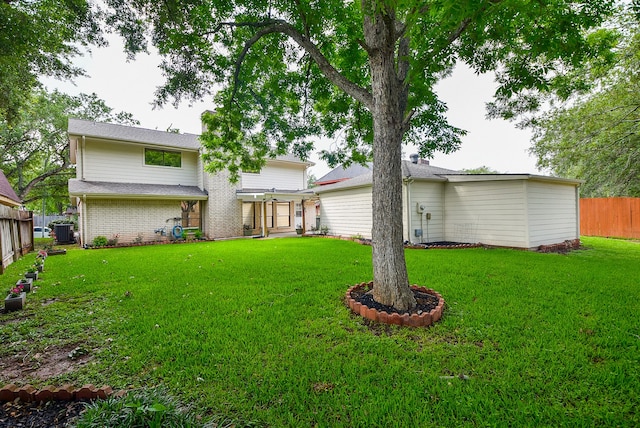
(425, 302)
(50, 414)
(428, 310)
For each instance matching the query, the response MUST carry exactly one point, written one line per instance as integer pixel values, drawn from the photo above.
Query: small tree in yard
(359, 71)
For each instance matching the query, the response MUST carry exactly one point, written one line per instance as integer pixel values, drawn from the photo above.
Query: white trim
(136, 143)
(271, 196)
(455, 178)
(577, 212)
(144, 196)
(73, 147)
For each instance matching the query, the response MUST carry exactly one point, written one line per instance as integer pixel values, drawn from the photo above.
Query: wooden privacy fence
(16, 235)
(615, 217)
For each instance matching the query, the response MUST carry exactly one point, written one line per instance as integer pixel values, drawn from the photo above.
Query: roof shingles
(112, 131)
(409, 170)
(106, 189)
(7, 194)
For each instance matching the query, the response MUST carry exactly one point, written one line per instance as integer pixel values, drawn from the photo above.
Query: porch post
(265, 232)
(304, 228)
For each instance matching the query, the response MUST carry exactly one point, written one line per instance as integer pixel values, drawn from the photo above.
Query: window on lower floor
(191, 214)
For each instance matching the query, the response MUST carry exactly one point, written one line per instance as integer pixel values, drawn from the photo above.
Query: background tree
(596, 138)
(34, 147)
(311, 180)
(39, 38)
(481, 170)
(284, 72)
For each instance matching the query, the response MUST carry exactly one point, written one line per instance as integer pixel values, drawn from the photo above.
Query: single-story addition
(507, 210)
(140, 185)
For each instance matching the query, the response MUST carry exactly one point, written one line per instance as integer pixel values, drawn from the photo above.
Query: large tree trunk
(390, 279)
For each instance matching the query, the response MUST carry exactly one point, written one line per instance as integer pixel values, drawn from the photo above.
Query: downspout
(578, 212)
(82, 158)
(304, 227)
(407, 182)
(83, 238)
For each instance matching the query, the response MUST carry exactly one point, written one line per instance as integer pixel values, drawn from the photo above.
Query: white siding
(490, 212)
(347, 212)
(553, 214)
(430, 194)
(282, 177)
(124, 163)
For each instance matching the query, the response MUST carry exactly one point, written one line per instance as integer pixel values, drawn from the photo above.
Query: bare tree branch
(455, 35)
(458, 31)
(406, 122)
(364, 46)
(24, 191)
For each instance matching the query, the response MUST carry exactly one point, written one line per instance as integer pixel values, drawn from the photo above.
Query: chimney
(202, 124)
(414, 158)
(424, 162)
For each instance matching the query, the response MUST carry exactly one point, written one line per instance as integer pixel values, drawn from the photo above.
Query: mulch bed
(50, 414)
(425, 302)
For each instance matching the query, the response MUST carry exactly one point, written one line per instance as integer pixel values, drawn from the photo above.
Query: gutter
(85, 219)
(143, 196)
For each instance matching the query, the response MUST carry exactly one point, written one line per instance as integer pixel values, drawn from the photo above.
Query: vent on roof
(416, 160)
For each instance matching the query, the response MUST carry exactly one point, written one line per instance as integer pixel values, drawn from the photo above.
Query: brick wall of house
(223, 211)
(128, 219)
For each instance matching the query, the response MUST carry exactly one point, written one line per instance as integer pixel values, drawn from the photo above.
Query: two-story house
(141, 185)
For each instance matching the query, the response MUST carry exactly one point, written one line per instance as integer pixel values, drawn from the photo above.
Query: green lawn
(258, 330)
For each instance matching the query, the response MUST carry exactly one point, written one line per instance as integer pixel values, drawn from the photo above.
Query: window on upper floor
(162, 158)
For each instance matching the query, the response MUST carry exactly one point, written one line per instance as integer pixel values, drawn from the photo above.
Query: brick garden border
(28, 393)
(424, 319)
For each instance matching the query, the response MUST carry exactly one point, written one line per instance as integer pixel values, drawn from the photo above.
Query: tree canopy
(285, 72)
(481, 170)
(34, 147)
(40, 38)
(596, 138)
(359, 72)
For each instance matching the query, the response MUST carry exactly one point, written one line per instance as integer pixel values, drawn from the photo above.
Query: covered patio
(271, 211)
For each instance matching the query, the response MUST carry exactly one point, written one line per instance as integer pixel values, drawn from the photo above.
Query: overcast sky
(130, 86)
